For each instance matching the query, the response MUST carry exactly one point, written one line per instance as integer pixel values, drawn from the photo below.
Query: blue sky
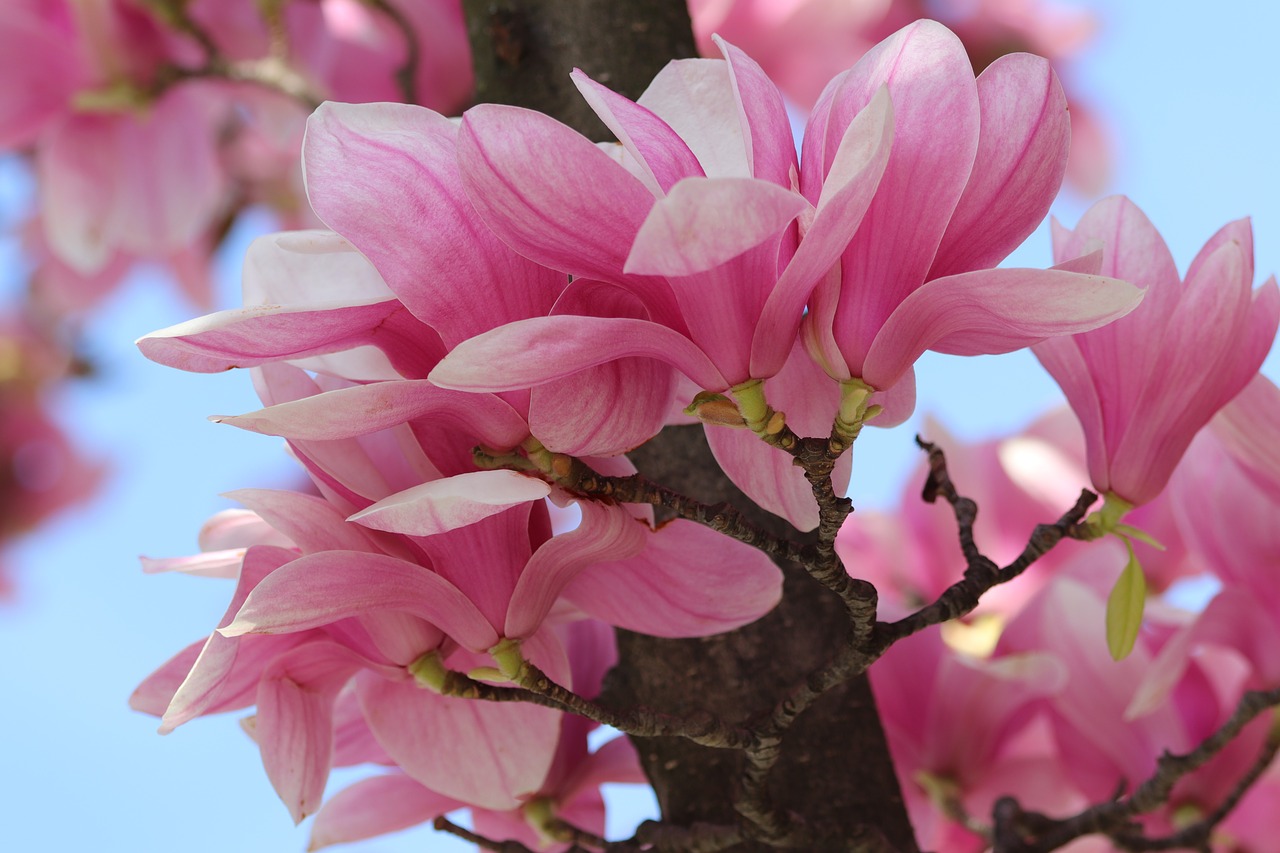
(1190, 92)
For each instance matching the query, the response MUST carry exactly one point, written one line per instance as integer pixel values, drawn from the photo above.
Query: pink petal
(486, 754)
(1022, 156)
(378, 173)
(375, 806)
(542, 349)
(295, 721)
(993, 311)
(1247, 427)
(688, 582)
(603, 410)
(936, 127)
(771, 148)
(704, 222)
(244, 337)
(453, 502)
(847, 192)
(696, 98)
(309, 521)
(543, 189)
(606, 533)
(319, 589)
(662, 154)
(363, 409)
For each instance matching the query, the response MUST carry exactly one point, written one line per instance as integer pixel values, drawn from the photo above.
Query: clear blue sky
(1190, 91)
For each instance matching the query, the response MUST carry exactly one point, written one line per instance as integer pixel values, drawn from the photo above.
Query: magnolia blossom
(802, 44)
(1203, 339)
(974, 167)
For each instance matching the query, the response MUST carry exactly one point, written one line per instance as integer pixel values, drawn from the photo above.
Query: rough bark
(836, 773)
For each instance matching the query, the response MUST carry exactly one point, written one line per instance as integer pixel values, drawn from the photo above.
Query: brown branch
(578, 477)
(981, 574)
(1017, 831)
(700, 727)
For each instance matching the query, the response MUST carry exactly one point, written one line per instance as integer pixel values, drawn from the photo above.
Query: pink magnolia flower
(1205, 338)
(974, 166)
(960, 731)
(802, 44)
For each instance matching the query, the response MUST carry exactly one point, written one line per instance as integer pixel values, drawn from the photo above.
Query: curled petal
(443, 505)
(993, 311)
(539, 350)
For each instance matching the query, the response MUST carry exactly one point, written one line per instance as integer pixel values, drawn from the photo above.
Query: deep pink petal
(532, 352)
(606, 533)
(386, 177)
(548, 192)
(603, 410)
(319, 589)
(1247, 427)
(294, 725)
(993, 311)
(846, 195)
(936, 127)
(444, 505)
(1021, 159)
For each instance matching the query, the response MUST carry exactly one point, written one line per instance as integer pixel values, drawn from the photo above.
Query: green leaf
(1124, 608)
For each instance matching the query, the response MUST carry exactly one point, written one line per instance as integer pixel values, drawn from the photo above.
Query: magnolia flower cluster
(152, 123)
(502, 304)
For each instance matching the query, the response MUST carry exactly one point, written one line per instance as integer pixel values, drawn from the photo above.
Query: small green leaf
(1124, 608)
(1141, 535)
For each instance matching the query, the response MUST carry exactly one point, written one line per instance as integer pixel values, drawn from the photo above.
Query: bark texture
(836, 773)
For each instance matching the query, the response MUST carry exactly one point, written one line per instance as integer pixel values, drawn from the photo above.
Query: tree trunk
(836, 773)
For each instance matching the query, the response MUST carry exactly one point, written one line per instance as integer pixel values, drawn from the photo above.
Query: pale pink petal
(244, 337)
(539, 350)
(1022, 156)
(375, 806)
(663, 156)
(696, 98)
(688, 582)
(1247, 427)
(386, 176)
(211, 564)
(486, 754)
(606, 533)
(319, 589)
(704, 222)
(444, 505)
(771, 149)
(993, 311)
(363, 409)
(309, 521)
(238, 528)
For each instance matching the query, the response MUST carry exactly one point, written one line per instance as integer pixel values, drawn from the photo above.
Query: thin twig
(1026, 832)
(981, 574)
